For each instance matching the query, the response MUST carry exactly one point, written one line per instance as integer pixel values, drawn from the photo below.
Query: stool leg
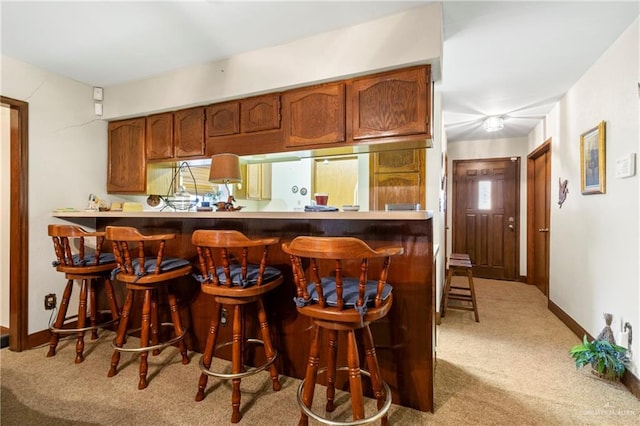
(62, 313)
(355, 379)
(236, 362)
(111, 298)
(154, 321)
(268, 346)
(177, 325)
(82, 318)
(447, 288)
(93, 307)
(311, 374)
(208, 350)
(374, 370)
(473, 294)
(331, 370)
(144, 338)
(122, 333)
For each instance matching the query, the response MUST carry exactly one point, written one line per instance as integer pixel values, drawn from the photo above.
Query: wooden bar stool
(339, 303)
(460, 264)
(226, 273)
(148, 274)
(91, 269)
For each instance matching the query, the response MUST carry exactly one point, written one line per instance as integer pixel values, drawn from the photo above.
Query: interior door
(485, 215)
(337, 177)
(538, 208)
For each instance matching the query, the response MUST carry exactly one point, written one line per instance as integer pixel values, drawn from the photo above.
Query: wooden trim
(19, 224)
(568, 321)
(632, 383)
(629, 379)
(523, 279)
(39, 338)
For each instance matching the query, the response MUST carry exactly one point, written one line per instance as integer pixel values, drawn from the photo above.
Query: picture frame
(592, 160)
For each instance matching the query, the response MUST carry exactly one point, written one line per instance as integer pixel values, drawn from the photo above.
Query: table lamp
(225, 168)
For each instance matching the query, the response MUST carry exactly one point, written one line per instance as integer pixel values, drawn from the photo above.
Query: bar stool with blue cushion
(143, 267)
(340, 303)
(91, 268)
(226, 272)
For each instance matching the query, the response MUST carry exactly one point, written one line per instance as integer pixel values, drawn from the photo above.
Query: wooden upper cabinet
(223, 119)
(391, 104)
(314, 115)
(260, 113)
(396, 177)
(126, 163)
(159, 136)
(188, 132)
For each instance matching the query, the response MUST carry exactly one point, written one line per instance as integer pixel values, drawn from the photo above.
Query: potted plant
(607, 359)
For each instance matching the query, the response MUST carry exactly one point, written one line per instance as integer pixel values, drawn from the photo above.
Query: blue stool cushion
(349, 293)
(167, 264)
(89, 260)
(236, 275)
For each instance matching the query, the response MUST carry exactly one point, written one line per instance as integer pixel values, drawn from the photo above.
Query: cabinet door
(126, 167)
(396, 177)
(223, 119)
(394, 104)
(315, 115)
(188, 133)
(159, 136)
(259, 181)
(260, 113)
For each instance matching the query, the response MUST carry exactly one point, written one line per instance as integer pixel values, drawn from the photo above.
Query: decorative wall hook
(563, 191)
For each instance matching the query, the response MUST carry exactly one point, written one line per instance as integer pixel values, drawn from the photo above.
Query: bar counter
(404, 339)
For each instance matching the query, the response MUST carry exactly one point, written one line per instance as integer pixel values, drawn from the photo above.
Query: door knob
(543, 230)
(510, 226)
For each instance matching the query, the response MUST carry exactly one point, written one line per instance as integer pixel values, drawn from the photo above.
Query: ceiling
(510, 59)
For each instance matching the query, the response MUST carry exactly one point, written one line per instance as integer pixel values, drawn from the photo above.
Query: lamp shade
(225, 168)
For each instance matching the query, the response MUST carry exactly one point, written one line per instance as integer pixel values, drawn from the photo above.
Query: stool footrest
(152, 347)
(378, 415)
(251, 371)
(103, 324)
(461, 297)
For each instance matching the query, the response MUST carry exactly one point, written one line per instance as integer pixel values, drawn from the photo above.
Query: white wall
(494, 148)
(67, 162)
(390, 42)
(5, 180)
(434, 194)
(595, 238)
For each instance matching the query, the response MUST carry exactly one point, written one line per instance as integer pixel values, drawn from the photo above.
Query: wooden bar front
(404, 339)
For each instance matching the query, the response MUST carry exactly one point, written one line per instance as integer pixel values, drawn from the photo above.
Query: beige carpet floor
(512, 368)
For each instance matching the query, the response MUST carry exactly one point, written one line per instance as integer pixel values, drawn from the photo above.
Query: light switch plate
(97, 108)
(97, 93)
(626, 166)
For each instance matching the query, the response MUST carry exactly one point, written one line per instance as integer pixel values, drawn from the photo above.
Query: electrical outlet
(49, 301)
(224, 317)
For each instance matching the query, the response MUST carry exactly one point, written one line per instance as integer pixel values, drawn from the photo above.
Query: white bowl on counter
(350, 208)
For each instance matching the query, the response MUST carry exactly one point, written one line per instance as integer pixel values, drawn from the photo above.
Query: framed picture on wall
(592, 160)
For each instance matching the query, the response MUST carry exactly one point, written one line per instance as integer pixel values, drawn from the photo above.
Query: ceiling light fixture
(493, 124)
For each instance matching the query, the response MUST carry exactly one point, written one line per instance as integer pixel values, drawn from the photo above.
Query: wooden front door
(396, 177)
(538, 209)
(485, 215)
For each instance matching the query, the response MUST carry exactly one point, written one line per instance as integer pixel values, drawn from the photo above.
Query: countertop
(338, 215)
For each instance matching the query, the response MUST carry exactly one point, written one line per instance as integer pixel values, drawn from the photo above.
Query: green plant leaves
(605, 358)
